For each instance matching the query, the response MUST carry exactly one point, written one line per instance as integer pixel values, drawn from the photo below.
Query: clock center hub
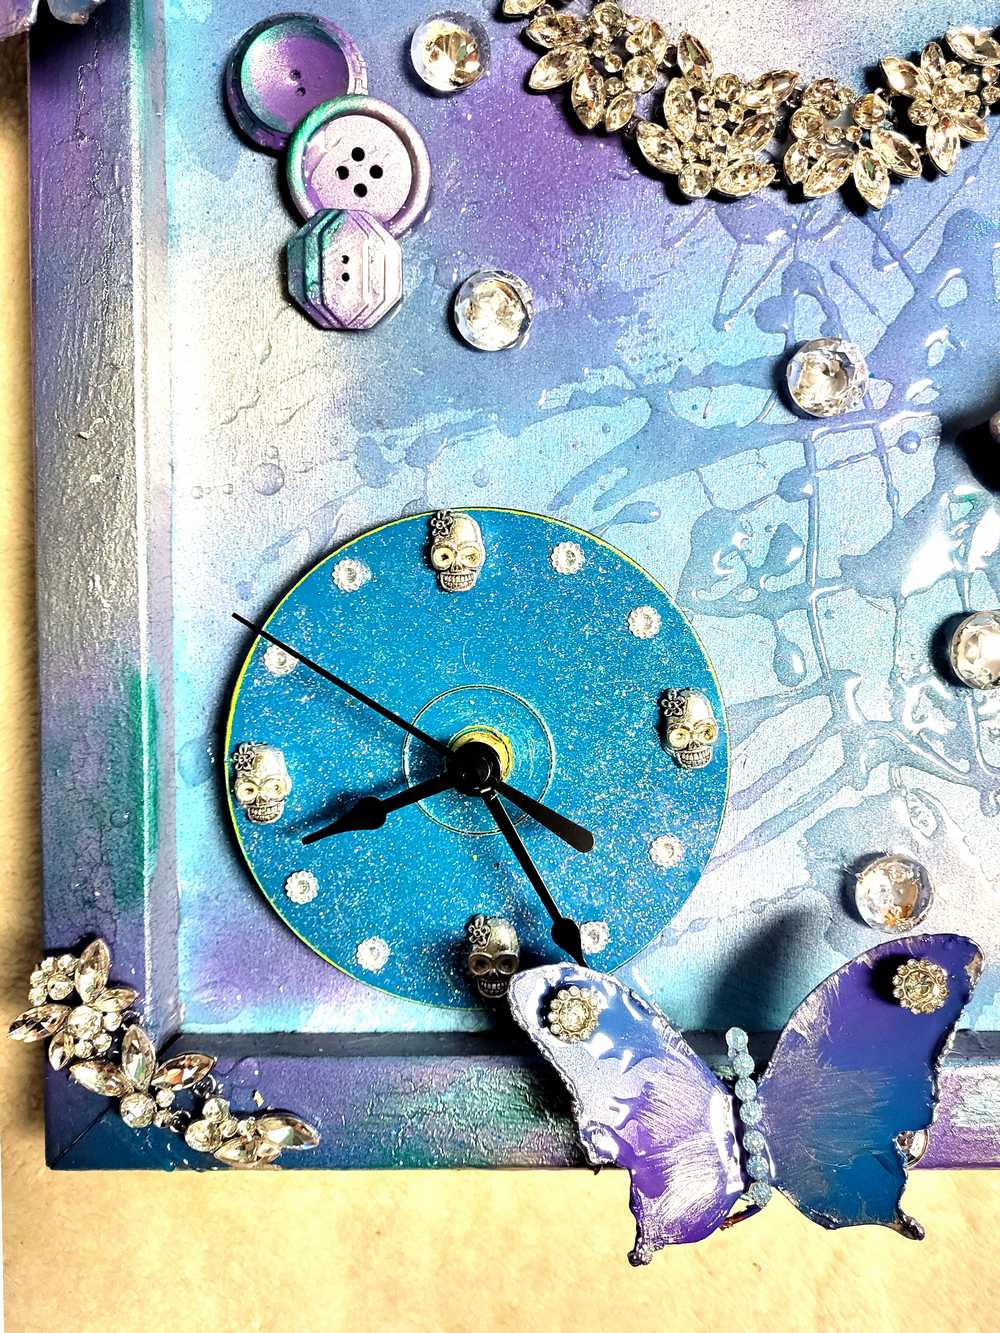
(493, 740)
(484, 727)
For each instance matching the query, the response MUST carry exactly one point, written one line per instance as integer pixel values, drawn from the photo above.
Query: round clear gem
(84, 1021)
(137, 1110)
(743, 1063)
(665, 851)
(215, 1108)
(759, 1193)
(893, 893)
(38, 995)
(913, 1143)
(594, 936)
(754, 1141)
(203, 1136)
(278, 662)
(757, 1166)
(301, 886)
(644, 622)
(493, 310)
(60, 986)
(827, 377)
(568, 558)
(372, 954)
(750, 1112)
(975, 650)
(350, 575)
(450, 52)
(745, 1089)
(736, 1040)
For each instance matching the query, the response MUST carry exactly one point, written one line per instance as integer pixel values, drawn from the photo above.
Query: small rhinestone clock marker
(574, 1013)
(567, 558)
(372, 954)
(665, 851)
(827, 377)
(921, 986)
(644, 622)
(278, 662)
(595, 936)
(350, 575)
(301, 886)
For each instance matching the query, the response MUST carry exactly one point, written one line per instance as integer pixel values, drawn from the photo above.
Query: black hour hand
(370, 812)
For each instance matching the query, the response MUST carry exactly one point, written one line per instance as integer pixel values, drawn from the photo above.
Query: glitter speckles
(372, 954)
(644, 622)
(278, 662)
(567, 558)
(665, 851)
(594, 936)
(350, 575)
(301, 886)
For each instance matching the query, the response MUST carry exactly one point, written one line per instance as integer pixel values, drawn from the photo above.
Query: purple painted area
(285, 67)
(853, 1069)
(644, 1101)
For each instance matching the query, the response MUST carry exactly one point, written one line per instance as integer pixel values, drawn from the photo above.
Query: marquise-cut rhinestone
(551, 30)
(974, 45)
(620, 111)
(871, 178)
(770, 90)
(659, 147)
(693, 57)
(639, 75)
(557, 67)
(740, 179)
(943, 144)
(588, 97)
(607, 21)
(896, 152)
(828, 173)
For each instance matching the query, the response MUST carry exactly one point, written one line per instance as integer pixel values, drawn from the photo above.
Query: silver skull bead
(494, 955)
(690, 731)
(261, 782)
(457, 550)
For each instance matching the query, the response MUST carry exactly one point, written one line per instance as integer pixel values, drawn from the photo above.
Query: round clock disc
(561, 650)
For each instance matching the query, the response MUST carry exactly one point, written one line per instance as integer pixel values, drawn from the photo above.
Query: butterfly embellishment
(853, 1069)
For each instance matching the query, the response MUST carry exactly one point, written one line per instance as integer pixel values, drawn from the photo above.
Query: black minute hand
(577, 837)
(565, 931)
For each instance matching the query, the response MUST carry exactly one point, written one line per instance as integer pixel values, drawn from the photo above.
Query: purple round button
(283, 68)
(356, 153)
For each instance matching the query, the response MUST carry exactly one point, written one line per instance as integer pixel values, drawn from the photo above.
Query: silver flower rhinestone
(975, 650)
(567, 558)
(493, 310)
(372, 954)
(301, 886)
(278, 662)
(644, 622)
(350, 575)
(827, 377)
(665, 851)
(594, 936)
(893, 893)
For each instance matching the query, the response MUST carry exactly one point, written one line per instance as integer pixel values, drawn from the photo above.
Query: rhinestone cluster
(716, 126)
(80, 1012)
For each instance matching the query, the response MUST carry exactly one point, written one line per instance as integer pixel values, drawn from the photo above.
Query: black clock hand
(370, 811)
(577, 837)
(348, 689)
(565, 931)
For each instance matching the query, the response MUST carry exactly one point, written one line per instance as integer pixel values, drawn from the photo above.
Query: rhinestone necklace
(715, 126)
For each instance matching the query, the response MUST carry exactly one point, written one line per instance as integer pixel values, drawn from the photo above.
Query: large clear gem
(450, 52)
(975, 650)
(893, 893)
(827, 377)
(493, 310)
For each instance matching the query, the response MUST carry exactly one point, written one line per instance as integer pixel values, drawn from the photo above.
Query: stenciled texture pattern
(818, 561)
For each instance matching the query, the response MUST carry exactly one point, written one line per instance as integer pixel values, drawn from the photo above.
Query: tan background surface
(390, 1251)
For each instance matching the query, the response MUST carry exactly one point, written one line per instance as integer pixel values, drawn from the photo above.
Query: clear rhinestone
(736, 1040)
(372, 954)
(975, 650)
(84, 1022)
(594, 936)
(215, 1109)
(665, 851)
(567, 558)
(278, 662)
(137, 1110)
(644, 622)
(913, 1143)
(743, 1063)
(450, 52)
(493, 310)
(350, 575)
(827, 377)
(893, 893)
(203, 1136)
(301, 886)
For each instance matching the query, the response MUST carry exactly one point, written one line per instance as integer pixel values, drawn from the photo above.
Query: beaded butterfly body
(852, 1070)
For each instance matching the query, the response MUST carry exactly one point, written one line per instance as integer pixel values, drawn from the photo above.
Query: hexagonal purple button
(344, 270)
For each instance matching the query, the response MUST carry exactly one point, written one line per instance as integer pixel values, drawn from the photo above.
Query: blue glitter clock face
(569, 668)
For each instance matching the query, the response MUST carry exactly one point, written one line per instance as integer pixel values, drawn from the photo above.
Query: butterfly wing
(644, 1101)
(851, 1071)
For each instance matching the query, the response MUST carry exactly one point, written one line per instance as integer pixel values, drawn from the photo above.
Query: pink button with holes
(356, 153)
